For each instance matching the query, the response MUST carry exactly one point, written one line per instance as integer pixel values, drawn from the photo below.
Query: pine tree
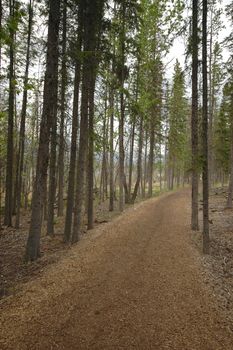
(47, 122)
(194, 119)
(205, 169)
(177, 137)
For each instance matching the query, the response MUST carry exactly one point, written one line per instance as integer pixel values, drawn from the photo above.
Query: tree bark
(205, 174)
(145, 166)
(122, 112)
(151, 158)
(230, 186)
(90, 213)
(111, 180)
(211, 102)
(194, 120)
(73, 153)
(74, 134)
(139, 161)
(47, 120)
(10, 131)
(0, 31)
(83, 139)
(62, 120)
(23, 120)
(131, 156)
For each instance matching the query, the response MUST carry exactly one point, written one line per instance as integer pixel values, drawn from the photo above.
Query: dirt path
(134, 283)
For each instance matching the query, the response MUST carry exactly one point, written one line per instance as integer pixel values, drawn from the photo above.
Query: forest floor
(14, 272)
(138, 282)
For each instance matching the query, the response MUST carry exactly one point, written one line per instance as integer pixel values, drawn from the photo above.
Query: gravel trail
(133, 283)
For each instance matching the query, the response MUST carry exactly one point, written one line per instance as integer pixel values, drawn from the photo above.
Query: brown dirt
(14, 272)
(134, 283)
(218, 266)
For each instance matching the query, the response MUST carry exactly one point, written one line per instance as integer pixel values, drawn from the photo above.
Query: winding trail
(134, 283)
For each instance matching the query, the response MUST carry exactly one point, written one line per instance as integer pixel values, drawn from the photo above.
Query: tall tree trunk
(139, 161)
(160, 166)
(90, 213)
(103, 182)
(83, 139)
(151, 158)
(211, 102)
(230, 186)
(194, 121)
(92, 20)
(205, 175)
(62, 120)
(145, 166)
(1, 194)
(23, 120)
(74, 134)
(52, 163)
(47, 120)
(0, 41)
(131, 156)
(122, 111)
(73, 153)
(10, 132)
(111, 181)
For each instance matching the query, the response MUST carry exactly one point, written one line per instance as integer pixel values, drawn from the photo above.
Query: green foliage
(178, 122)
(222, 130)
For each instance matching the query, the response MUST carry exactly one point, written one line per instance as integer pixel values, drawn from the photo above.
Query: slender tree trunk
(62, 120)
(52, 179)
(205, 175)
(230, 186)
(121, 156)
(0, 41)
(0, 194)
(111, 182)
(10, 132)
(73, 152)
(160, 166)
(92, 20)
(131, 157)
(151, 158)
(139, 161)
(83, 139)
(145, 167)
(122, 112)
(172, 176)
(23, 120)
(103, 182)
(48, 116)
(90, 216)
(211, 99)
(194, 121)
(74, 134)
